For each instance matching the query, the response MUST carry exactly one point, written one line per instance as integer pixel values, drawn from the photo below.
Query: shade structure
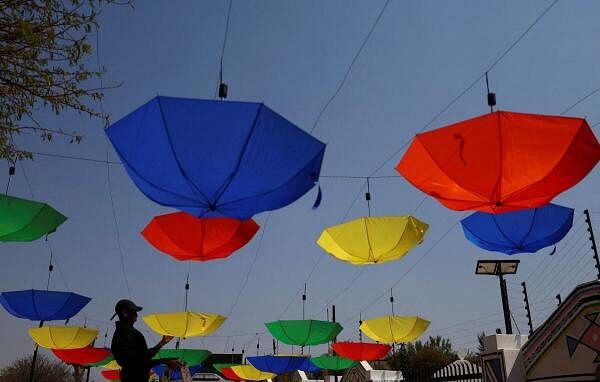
(219, 366)
(111, 375)
(304, 332)
(63, 337)
(277, 364)
(26, 220)
(250, 373)
(502, 161)
(190, 357)
(185, 237)
(394, 329)
(43, 305)
(84, 356)
(230, 374)
(525, 231)
(373, 240)
(110, 358)
(309, 367)
(175, 374)
(361, 351)
(184, 324)
(216, 158)
(333, 362)
(111, 365)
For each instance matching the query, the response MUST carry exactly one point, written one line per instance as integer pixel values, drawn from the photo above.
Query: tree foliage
(46, 370)
(419, 361)
(44, 63)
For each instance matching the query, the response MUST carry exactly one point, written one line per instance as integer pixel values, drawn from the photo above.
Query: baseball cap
(125, 305)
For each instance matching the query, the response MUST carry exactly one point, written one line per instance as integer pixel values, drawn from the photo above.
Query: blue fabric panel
(277, 364)
(42, 305)
(175, 374)
(309, 367)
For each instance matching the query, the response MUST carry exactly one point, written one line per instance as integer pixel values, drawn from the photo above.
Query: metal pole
(527, 309)
(335, 339)
(593, 240)
(505, 306)
(274, 347)
(35, 353)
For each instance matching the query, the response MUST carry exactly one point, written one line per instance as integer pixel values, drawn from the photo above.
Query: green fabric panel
(26, 220)
(304, 332)
(190, 357)
(101, 363)
(333, 362)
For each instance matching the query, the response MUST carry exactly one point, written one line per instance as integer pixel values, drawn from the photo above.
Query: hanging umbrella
(308, 366)
(111, 365)
(190, 357)
(502, 161)
(250, 373)
(277, 364)
(304, 332)
(394, 329)
(84, 356)
(229, 374)
(111, 375)
(333, 362)
(42, 305)
(219, 366)
(361, 351)
(184, 324)
(110, 358)
(26, 220)
(373, 240)
(175, 374)
(63, 337)
(216, 158)
(525, 231)
(185, 237)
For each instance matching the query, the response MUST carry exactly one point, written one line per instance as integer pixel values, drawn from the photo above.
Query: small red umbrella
(185, 237)
(83, 356)
(112, 375)
(501, 161)
(361, 351)
(230, 374)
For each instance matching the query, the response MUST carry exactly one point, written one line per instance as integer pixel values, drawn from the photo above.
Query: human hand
(165, 340)
(174, 364)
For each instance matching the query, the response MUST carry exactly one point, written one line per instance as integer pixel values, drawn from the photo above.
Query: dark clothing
(131, 352)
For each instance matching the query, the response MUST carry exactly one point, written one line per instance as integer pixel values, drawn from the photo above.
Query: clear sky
(292, 55)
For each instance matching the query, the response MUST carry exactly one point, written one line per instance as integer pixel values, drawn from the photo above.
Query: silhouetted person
(129, 346)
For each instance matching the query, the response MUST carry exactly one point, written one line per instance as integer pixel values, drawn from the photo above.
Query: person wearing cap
(129, 346)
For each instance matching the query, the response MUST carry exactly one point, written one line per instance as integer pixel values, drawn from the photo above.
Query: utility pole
(593, 240)
(527, 308)
(500, 268)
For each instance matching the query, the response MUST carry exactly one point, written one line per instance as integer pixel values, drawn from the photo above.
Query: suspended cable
(221, 90)
(580, 100)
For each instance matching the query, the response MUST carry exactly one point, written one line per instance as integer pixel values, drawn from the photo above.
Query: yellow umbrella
(373, 240)
(112, 365)
(391, 329)
(63, 337)
(184, 324)
(250, 373)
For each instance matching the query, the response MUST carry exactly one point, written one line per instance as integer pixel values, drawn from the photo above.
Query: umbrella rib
(34, 217)
(535, 210)
(34, 305)
(502, 232)
(561, 228)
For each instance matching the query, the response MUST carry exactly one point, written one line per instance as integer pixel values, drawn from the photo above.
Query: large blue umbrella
(216, 158)
(308, 366)
(43, 305)
(277, 364)
(175, 374)
(519, 231)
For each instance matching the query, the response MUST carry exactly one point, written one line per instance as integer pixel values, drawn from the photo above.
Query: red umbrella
(230, 374)
(185, 237)
(112, 375)
(501, 161)
(83, 356)
(361, 351)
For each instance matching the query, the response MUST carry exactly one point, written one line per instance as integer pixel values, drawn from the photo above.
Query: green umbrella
(26, 220)
(304, 332)
(333, 362)
(190, 357)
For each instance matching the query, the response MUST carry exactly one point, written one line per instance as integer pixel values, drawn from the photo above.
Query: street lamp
(500, 268)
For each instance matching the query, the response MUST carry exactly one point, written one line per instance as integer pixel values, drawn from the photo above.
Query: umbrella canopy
(26, 220)
(230, 374)
(111, 365)
(333, 362)
(185, 237)
(63, 337)
(216, 158)
(219, 366)
(393, 329)
(175, 374)
(184, 324)
(190, 357)
(84, 356)
(111, 375)
(361, 351)
(250, 373)
(308, 366)
(525, 231)
(43, 305)
(502, 161)
(304, 332)
(373, 240)
(277, 364)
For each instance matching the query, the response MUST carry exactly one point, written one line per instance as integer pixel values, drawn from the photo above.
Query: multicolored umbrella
(230, 374)
(111, 375)
(361, 351)
(87, 356)
(373, 240)
(175, 374)
(43, 305)
(304, 332)
(219, 366)
(185, 237)
(26, 220)
(216, 158)
(278, 364)
(250, 373)
(190, 357)
(63, 337)
(333, 362)
(502, 161)
(308, 366)
(184, 324)
(525, 231)
(394, 329)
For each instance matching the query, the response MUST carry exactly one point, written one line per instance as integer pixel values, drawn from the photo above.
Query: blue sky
(292, 55)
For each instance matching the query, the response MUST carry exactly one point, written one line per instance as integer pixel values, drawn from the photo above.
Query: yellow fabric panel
(184, 324)
(394, 329)
(250, 373)
(63, 337)
(373, 240)
(112, 365)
